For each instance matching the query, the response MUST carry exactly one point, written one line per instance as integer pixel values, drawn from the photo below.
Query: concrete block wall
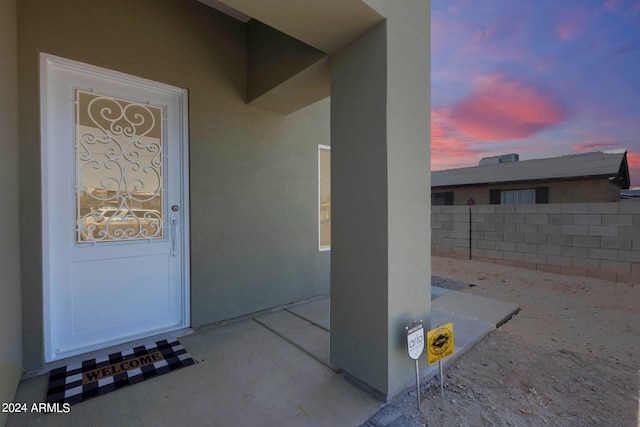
(582, 239)
(450, 231)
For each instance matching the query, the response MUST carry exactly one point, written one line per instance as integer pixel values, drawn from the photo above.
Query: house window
(442, 199)
(519, 197)
(324, 197)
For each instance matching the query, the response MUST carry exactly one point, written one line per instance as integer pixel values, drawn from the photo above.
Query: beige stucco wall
(582, 191)
(587, 191)
(253, 177)
(359, 215)
(408, 172)
(380, 265)
(10, 293)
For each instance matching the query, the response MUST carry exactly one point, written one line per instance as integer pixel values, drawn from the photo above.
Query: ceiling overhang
(327, 25)
(221, 7)
(288, 48)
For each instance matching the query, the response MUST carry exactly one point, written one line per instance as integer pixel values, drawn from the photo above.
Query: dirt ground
(571, 357)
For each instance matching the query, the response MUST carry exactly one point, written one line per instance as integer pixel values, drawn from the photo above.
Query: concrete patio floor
(272, 369)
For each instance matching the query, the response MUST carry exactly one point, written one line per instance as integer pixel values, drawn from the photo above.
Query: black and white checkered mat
(95, 377)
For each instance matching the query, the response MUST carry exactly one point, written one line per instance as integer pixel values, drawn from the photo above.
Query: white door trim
(48, 62)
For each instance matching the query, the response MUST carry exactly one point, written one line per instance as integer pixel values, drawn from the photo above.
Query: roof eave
(623, 179)
(533, 181)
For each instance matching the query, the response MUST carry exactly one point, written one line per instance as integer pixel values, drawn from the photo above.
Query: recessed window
(324, 197)
(442, 199)
(518, 197)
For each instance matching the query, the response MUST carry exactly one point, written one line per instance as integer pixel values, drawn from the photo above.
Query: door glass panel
(119, 169)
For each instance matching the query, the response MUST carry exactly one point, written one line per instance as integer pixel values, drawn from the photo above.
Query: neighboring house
(203, 204)
(576, 178)
(630, 194)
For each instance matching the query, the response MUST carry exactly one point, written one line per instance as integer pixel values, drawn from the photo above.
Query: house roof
(612, 164)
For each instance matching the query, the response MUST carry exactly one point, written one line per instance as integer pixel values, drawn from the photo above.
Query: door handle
(174, 237)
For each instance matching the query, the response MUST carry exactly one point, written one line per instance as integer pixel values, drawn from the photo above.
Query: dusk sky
(541, 78)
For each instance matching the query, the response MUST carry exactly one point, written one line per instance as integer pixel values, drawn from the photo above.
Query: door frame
(48, 61)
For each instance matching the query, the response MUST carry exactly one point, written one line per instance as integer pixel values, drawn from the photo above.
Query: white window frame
(320, 247)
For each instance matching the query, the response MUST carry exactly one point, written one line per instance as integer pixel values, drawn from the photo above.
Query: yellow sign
(440, 343)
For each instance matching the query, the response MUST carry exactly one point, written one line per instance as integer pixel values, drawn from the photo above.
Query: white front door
(115, 207)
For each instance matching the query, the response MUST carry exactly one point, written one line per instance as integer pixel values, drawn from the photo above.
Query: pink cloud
(572, 23)
(483, 36)
(566, 31)
(633, 159)
(503, 109)
(595, 146)
(449, 149)
(620, 5)
(613, 4)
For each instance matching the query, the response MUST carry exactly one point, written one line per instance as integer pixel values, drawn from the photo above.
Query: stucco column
(380, 174)
(10, 292)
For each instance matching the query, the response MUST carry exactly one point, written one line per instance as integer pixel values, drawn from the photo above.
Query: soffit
(305, 88)
(216, 4)
(327, 25)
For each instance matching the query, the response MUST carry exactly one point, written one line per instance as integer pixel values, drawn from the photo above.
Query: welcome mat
(94, 377)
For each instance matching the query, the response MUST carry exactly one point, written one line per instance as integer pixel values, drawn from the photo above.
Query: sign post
(440, 346)
(415, 346)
